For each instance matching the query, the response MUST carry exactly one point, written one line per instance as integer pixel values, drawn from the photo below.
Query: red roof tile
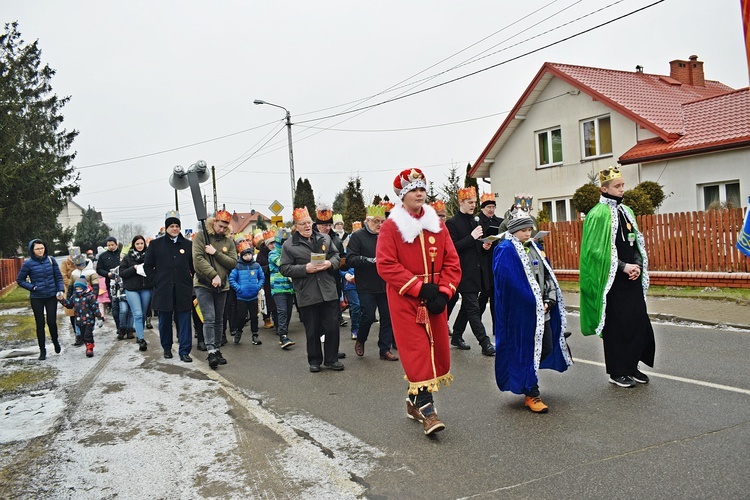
(719, 122)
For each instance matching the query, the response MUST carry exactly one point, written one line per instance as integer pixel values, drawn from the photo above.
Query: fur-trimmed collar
(410, 227)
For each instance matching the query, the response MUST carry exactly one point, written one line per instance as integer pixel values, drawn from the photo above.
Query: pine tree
(431, 194)
(35, 162)
(471, 181)
(376, 199)
(91, 231)
(339, 202)
(355, 204)
(304, 196)
(450, 192)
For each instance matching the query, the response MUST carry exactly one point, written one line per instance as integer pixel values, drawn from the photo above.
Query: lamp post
(289, 136)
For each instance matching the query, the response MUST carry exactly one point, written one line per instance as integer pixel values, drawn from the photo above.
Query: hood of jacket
(31, 249)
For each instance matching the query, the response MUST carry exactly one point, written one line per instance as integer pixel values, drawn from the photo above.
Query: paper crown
(268, 236)
(258, 238)
(239, 237)
(408, 180)
(376, 210)
(223, 216)
(172, 217)
(324, 214)
(244, 245)
(387, 205)
(487, 199)
(300, 213)
(356, 225)
(338, 218)
(467, 193)
(523, 201)
(609, 174)
(438, 205)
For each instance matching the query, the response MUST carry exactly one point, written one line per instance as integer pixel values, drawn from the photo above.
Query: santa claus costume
(416, 258)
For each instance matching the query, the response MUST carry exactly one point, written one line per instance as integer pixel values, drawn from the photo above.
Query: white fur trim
(410, 227)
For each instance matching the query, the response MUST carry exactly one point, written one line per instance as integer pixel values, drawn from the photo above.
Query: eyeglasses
(377, 221)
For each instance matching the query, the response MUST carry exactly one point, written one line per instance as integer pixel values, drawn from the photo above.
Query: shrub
(654, 190)
(638, 201)
(585, 198)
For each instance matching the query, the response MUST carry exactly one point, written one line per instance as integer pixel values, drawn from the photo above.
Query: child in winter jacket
(246, 279)
(86, 309)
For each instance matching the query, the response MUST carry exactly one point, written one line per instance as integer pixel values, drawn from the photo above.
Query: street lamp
(289, 135)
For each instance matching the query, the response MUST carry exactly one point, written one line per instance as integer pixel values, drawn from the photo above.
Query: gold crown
(387, 205)
(438, 205)
(269, 235)
(243, 245)
(338, 218)
(376, 210)
(324, 214)
(258, 238)
(300, 213)
(223, 216)
(609, 174)
(467, 193)
(356, 225)
(487, 197)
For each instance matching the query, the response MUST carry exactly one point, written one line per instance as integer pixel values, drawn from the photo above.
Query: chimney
(688, 72)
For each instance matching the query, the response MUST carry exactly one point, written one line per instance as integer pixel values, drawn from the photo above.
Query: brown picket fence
(680, 242)
(8, 271)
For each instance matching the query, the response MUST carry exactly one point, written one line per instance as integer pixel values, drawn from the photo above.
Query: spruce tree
(471, 181)
(304, 196)
(339, 202)
(355, 204)
(450, 192)
(91, 231)
(376, 199)
(35, 162)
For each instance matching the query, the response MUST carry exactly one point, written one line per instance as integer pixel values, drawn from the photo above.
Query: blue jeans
(354, 309)
(370, 302)
(138, 301)
(284, 304)
(124, 316)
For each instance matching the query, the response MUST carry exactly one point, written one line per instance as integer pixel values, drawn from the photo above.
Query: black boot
(42, 354)
(120, 334)
(79, 341)
(237, 336)
(56, 343)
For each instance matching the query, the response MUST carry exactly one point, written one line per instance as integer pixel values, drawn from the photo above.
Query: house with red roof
(247, 222)
(689, 134)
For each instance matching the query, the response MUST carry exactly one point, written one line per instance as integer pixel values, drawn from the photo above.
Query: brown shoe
(412, 411)
(431, 421)
(359, 348)
(267, 323)
(388, 356)
(536, 405)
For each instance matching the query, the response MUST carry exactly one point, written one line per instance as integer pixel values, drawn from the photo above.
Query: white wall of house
(684, 179)
(70, 215)
(515, 168)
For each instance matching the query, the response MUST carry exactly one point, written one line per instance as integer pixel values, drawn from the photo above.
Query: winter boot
(42, 354)
(79, 341)
(90, 350)
(56, 343)
(267, 323)
(120, 334)
(237, 336)
(148, 324)
(129, 333)
(142, 345)
(256, 340)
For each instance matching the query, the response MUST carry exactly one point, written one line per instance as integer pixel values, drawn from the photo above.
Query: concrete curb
(671, 318)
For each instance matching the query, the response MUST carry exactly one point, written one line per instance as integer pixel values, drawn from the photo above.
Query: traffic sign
(277, 220)
(276, 207)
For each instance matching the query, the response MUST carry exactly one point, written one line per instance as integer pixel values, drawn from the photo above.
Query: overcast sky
(181, 77)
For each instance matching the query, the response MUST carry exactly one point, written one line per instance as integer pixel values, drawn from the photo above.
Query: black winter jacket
(474, 269)
(131, 280)
(170, 266)
(360, 255)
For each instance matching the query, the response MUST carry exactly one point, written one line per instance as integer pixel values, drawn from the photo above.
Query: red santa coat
(403, 260)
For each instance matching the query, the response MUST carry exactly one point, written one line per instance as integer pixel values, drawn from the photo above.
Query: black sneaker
(148, 324)
(640, 377)
(213, 360)
(202, 346)
(285, 342)
(237, 337)
(222, 361)
(488, 350)
(337, 366)
(622, 381)
(142, 345)
(256, 340)
(343, 322)
(460, 344)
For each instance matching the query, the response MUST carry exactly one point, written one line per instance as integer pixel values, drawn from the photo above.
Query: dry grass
(17, 327)
(15, 298)
(20, 377)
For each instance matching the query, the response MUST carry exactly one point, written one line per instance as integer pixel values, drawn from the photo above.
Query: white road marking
(678, 379)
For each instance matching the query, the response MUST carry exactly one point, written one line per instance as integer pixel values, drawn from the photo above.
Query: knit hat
(487, 199)
(111, 238)
(324, 215)
(173, 217)
(81, 283)
(79, 260)
(409, 180)
(467, 193)
(521, 221)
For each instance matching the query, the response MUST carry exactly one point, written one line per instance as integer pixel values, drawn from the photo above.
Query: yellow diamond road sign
(276, 207)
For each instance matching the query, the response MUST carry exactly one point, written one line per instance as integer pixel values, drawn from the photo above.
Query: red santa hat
(409, 180)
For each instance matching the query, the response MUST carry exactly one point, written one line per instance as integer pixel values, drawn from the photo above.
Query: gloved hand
(437, 305)
(371, 260)
(429, 291)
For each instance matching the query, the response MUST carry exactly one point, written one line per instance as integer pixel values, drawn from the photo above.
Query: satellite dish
(178, 179)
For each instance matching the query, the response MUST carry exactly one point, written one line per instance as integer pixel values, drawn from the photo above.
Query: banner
(743, 239)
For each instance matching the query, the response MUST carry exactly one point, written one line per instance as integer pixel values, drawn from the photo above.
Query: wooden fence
(682, 242)
(8, 271)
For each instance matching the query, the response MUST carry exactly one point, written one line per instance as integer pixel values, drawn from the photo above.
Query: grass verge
(21, 378)
(16, 297)
(17, 327)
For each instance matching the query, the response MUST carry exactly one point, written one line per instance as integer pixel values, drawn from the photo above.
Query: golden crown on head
(356, 225)
(300, 213)
(243, 245)
(338, 218)
(257, 239)
(269, 235)
(438, 205)
(487, 197)
(387, 205)
(376, 210)
(324, 214)
(609, 174)
(467, 193)
(223, 216)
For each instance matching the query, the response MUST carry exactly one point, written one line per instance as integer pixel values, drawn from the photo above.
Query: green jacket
(224, 259)
(599, 263)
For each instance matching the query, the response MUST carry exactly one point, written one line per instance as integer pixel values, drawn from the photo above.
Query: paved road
(687, 434)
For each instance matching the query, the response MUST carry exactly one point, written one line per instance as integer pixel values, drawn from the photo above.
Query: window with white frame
(549, 147)
(721, 193)
(596, 137)
(558, 210)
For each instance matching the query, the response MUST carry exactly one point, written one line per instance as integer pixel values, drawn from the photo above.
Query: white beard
(409, 227)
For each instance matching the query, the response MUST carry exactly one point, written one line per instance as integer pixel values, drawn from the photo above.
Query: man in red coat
(416, 258)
